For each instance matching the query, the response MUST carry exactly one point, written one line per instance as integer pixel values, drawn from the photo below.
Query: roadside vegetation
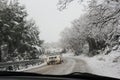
(99, 28)
(19, 36)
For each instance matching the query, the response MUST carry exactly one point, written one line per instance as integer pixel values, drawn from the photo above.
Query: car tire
(48, 63)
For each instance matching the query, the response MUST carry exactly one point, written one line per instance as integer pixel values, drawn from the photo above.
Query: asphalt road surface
(68, 66)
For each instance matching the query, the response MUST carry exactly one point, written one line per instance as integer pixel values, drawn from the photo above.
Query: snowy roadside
(68, 54)
(105, 65)
(32, 67)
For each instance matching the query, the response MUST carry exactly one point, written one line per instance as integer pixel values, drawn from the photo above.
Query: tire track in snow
(81, 66)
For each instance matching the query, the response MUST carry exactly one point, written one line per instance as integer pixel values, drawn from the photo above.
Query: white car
(54, 59)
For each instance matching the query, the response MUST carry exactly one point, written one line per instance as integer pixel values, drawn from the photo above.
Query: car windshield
(78, 35)
(52, 57)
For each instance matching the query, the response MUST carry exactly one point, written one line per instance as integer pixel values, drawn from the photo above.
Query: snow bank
(105, 65)
(32, 67)
(68, 54)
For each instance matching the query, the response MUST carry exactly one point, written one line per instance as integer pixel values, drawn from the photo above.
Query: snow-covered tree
(99, 26)
(16, 33)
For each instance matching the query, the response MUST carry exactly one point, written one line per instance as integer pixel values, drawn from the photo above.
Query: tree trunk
(92, 46)
(0, 55)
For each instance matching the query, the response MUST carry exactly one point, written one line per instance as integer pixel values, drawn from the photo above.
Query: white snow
(32, 67)
(68, 54)
(105, 65)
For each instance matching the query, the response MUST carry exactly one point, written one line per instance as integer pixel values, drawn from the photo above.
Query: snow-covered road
(104, 67)
(69, 65)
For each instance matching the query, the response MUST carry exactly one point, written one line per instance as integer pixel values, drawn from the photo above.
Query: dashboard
(34, 76)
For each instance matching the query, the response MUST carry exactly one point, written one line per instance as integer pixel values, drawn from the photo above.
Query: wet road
(68, 66)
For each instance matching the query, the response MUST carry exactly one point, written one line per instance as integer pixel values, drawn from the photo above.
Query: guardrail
(17, 64)
(20, 62)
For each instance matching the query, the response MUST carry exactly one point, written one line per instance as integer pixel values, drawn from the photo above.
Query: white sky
(50, 20)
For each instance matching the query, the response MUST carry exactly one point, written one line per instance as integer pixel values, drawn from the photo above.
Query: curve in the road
(68, 66)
